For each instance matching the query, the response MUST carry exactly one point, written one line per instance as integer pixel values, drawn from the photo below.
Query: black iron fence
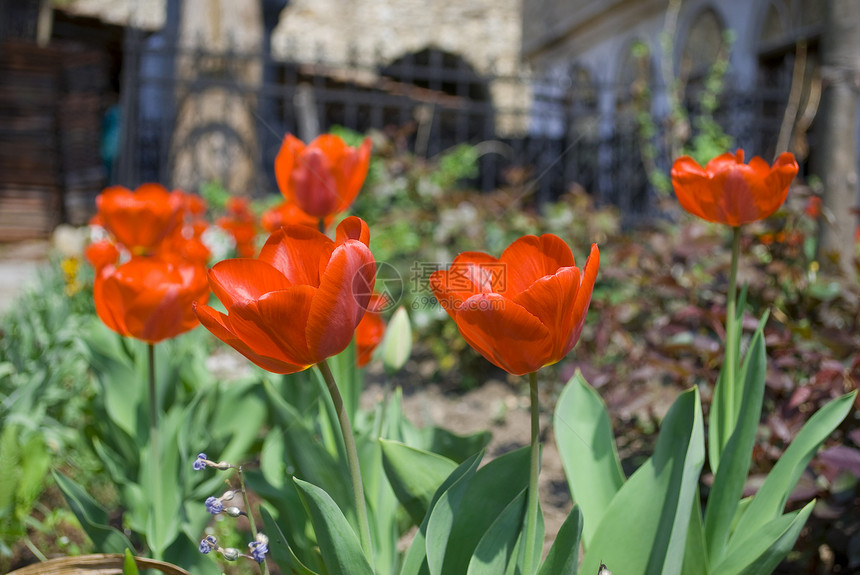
(192, 116)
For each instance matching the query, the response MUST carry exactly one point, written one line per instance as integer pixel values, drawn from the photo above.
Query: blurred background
(601, 95)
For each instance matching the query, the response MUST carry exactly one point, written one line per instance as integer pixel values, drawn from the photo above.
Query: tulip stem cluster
(351, 457)
(534, 470)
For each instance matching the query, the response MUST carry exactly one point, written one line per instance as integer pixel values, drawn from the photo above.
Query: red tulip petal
(243, 279)
(368, 335)
(470, 273)
(343, 296)
(353, 171)
(109, 303)
(271, 326)
(298, 252)
(725, 161)
(353, 228)
(314, 183)
(505, 333)
(552, 300)
(284, 164)
(530, 258)
(216, 322)
(693, 189)
(583, 296)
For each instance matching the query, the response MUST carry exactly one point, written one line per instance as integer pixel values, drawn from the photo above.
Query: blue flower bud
(259, 548)
(214, 505)
(207, 544)
(200, 462)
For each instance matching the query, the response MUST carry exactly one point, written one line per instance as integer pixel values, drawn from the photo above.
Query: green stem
(731, 330)
(154, 448)
(264, 566)
(534, 471)
(351, 459)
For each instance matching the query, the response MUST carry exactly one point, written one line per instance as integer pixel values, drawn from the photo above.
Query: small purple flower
(258, 550)
(200, 462)
(214, 505)
(208, 544)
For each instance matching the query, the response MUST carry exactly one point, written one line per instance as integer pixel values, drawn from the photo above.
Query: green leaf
(34, 465)
(769, 501)
(725, 410)
(337, 541)
(761, 552)
(163, 491)
(279, 548)
(122, 385)
(735, 461)
(10, 453)
(416, 560)
(695, 551)
(92, 517)
(586, 446)
(397, 345)
(129, 566)
(468, 517)
(415, 475)
(496, 546)
(645, 527)
(272, 459)
(563, 556)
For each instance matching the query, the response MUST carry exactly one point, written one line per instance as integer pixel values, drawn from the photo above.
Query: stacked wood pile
(50, 126)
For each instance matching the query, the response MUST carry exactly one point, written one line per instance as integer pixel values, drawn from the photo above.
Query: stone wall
(485, 33)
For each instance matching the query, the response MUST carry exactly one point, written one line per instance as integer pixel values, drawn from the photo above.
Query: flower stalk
(732, 326)
(534, 471)
(154, 447)
(351, 458)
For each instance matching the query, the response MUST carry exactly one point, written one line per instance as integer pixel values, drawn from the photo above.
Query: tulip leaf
(644, 528)
(494, 550)
(695, 551)
(397, 345)
(725, 410)
(417, 557)
(92, 517)
(159, 471)
(443, 442)
(769, 501)
(129, 566)
(762, 551)
(563, 556)
(415, 475)
(587, 449)
(338, 543)
(735, 461)
(467, 517)
(279, 548)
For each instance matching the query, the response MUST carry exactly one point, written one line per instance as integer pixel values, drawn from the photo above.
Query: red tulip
(523, 310)
(299, 302)
(101, 254)
(727, 191)
(288, 213)
(150, 297)
(371, 330)
(140, 220)
(324, 177)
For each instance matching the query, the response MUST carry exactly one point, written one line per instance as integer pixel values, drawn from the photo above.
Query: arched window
(703, 45)
(444, 95)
